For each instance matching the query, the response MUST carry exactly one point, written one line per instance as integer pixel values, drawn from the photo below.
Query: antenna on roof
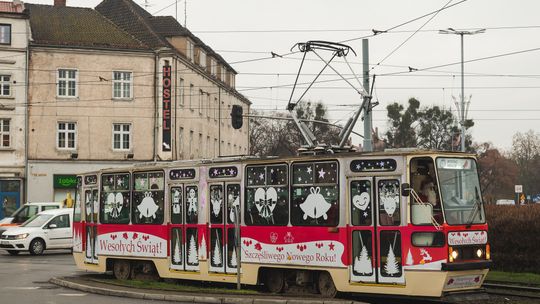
(146, 4)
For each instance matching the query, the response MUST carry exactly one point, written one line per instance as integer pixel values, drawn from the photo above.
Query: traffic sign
(519, 188)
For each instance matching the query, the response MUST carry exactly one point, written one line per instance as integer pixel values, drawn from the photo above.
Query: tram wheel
(326, 285)
(275, 280)
(122, 270)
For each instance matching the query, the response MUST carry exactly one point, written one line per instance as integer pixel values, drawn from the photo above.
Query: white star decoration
(322, 173)
(309, 170)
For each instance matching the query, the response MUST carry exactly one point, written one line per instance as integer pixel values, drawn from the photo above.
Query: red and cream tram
(395, 222)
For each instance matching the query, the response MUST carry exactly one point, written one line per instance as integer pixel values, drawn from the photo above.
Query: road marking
(21, 288)
(72, 294)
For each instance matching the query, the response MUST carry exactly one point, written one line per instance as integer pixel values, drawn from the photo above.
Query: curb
(209, 299)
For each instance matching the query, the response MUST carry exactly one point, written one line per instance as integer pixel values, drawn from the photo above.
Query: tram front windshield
(460, 191)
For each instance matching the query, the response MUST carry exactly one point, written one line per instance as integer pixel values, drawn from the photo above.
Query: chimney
(59, 3)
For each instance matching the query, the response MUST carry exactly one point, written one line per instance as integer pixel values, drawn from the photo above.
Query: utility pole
(367, 146)
(462, 110)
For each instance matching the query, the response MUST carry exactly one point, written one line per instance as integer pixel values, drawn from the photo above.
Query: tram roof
(248, 159)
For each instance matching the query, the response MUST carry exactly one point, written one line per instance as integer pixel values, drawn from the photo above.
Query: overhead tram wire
(404, 23)
(409, 38)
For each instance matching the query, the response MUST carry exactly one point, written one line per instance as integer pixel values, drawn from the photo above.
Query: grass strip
(522, 278)
(180, 286)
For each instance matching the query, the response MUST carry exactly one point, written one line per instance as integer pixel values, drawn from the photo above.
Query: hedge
(514, 235)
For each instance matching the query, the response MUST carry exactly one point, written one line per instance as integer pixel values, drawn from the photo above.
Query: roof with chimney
(151, 30)
(77, 26)
(14, 7)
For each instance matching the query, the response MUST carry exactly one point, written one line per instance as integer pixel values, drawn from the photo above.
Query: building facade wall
(201, 120)
(94, 110)
(12, 110)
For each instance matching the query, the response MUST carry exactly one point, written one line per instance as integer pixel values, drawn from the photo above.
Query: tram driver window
(115, 199)
(315, 194)
(148, 195)
(423, 181)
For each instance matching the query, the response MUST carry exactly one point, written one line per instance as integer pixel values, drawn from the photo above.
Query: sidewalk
(86, 284)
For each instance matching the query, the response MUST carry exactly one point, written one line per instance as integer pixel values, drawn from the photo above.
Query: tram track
(528, 292)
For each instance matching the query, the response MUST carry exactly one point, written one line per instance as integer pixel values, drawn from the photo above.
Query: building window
(67, 83)
(201, 93)
(66, 135)
(213, 67)
(122, 85)
(189, 50)
(5, 85)
(4, 133)
(190, 144)
(208, 105)
(216, 108)
(223, 73)
(121, 136)
(191, 89)
(5, 33)
(202, 59)
(181, 91)
(181, 141)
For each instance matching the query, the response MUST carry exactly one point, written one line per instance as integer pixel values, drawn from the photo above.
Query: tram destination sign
(467, 238)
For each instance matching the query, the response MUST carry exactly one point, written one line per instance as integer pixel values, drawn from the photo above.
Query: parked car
(25, 212)
(505, 202)
(51, 229)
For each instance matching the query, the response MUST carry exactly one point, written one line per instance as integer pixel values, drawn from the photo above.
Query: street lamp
(461, 34)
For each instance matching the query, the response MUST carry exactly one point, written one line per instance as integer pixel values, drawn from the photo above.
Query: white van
(51, 229)
(25, 212)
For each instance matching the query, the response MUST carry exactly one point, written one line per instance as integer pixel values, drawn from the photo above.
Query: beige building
(14, 37)
(115, 85)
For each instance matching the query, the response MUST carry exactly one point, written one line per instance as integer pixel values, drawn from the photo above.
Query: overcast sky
(504, 90)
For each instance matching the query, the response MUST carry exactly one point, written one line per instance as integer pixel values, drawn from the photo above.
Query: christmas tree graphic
(177, 256)
(233, 258)
(202, 249)
(391, 266)
(192, 256)
(362, 263)
(409, 260)
(216, 257)
(88, 246)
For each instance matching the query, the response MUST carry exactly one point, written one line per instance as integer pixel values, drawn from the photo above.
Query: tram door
(376, 213)
(363, 256)
(184, 238)
(91, 207)
(224, 197)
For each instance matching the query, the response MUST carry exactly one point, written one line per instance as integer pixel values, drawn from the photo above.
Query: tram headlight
(479, 253)
(452, 254)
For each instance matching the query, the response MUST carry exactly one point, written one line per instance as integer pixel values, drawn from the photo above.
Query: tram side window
(77, 207)
(216, 200)
(115, 199)
(389, 202)
(391, 263)
(315, 194)
(192, 205)
(361, 203)
(233, 200)
(148, 198)
(267, 195)
(176, 205)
